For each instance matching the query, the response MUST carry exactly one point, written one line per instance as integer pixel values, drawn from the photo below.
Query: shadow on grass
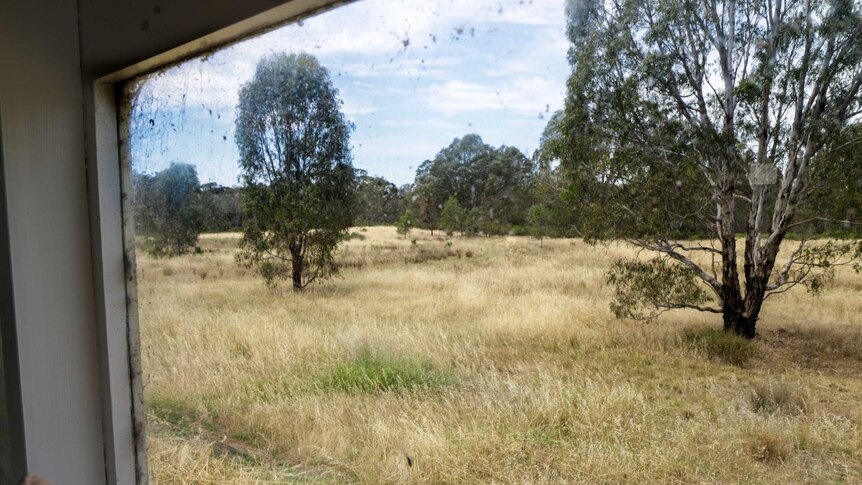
(816, 347)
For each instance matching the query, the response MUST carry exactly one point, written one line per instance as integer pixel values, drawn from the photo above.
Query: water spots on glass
(410, 78)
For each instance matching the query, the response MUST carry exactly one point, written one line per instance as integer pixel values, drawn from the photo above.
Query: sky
(413, 76)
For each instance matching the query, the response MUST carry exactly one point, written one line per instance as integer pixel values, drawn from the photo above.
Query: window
(359, 258)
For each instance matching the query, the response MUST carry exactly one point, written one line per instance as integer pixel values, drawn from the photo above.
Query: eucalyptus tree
(453, 217)
(168, 213)
(379, 201)
(297, 175)
(495, 181)
(708, 118)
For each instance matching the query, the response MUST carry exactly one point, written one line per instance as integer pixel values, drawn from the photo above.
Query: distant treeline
(469, 187)
(495, 189)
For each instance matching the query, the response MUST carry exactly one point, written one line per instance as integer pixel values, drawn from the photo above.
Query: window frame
(113, 235)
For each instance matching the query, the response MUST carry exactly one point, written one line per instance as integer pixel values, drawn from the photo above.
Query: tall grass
(504, 367)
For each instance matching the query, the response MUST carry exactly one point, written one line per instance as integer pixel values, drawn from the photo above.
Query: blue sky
(413, 75)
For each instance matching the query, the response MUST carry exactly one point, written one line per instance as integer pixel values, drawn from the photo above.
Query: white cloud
(411, 34)
(426, 70)
(525, 95)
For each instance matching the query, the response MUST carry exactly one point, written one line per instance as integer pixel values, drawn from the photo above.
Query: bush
(372, 371)
(167, 210)
(769, 446)
(721, 345)
(775, 398)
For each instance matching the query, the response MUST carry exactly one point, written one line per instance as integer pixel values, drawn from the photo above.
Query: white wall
(43, 136)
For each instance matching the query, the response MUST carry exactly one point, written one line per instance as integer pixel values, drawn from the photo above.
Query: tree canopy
(378, 201)
(298, 180)
(495, 181)
(689, 118)
(167, 209)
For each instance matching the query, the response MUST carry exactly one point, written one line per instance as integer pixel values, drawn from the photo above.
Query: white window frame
(112, 232)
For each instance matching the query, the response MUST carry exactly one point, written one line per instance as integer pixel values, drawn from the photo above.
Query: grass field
(487, 360)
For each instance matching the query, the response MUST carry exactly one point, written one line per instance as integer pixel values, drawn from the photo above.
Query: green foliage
(372, 371)
(540, 219)
(453, 217)
(475, 222)
(405, 223)
(835, 207)
(378, 201)
(167, 207)
(665, 137)
(220, 208)
(494, 181)
(298, 181)
(722, 345)
(644, 289)
(823, 257)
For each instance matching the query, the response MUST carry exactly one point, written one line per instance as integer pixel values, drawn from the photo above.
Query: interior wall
(43, 137)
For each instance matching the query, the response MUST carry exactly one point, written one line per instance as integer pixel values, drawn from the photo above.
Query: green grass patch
(371, 371)
(721, 345)
(172, 410)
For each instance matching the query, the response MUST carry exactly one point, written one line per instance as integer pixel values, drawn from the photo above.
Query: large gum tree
(298, 180)
(702, 120)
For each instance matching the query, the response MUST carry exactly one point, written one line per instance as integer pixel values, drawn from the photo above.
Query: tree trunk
(736, 321)
(296, 266)
(732, 302)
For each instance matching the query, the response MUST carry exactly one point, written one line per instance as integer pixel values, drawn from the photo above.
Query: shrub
(769, 446)
(721, 345)
(168, 212)
(405, 223)
(775, 398)
(372, 371)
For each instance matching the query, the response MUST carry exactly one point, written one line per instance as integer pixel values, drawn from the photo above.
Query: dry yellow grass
(508, 368)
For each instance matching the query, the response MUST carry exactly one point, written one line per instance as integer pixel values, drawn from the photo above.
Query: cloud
(413, 74)
(525, 95)
(395, 39)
